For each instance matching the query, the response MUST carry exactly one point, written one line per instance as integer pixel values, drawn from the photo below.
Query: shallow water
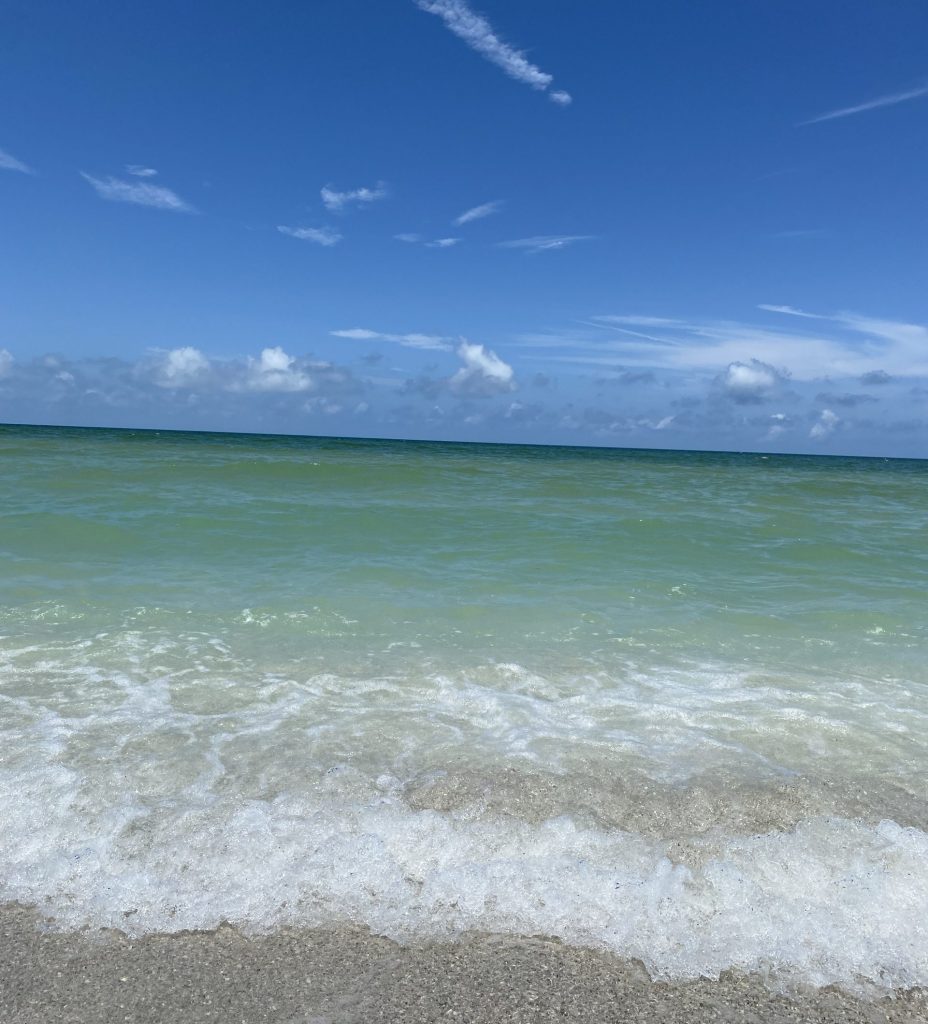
(673, 705)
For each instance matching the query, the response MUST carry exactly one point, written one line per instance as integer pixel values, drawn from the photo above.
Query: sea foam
(832, 901)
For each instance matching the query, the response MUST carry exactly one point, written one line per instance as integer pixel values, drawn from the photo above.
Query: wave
(830, 901)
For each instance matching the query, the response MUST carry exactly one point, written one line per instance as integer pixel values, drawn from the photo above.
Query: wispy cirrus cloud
(140, 193)
(889, 100)
(543, 243)
(479, 212)
(640, 321)
(479, 35)
(841, 345)
(336, 201)
(790, 311)
(428, 342)
(140, 171)
(321, 236)
(8, 162)
(412, 238)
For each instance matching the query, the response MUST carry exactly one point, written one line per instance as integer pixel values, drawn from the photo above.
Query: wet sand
(347, 976)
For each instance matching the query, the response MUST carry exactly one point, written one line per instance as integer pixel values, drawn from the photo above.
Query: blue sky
(656, 224)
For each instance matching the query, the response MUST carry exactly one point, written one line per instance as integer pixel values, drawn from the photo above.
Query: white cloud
(360, 334)
(429, 342)
(181, 367)
(543, 243)
(274, 371)
(778, 425)
(839, 345)
(138, 192)
(749, 382)
(478, 33)
(321, 236)
(479, 212)
(6, 362)
(881, 101)
(825, 425)
(639, 321)
(483, 370)
(893, 344)
(140, 171)
(8, 162)
(435, 243)
(791, 311)
(337, 201)
(561, 98)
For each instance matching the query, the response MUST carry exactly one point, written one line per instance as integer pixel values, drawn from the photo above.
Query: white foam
(833, 901)
(158, 783)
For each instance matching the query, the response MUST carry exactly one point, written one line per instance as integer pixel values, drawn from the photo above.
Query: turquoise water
(670, 704)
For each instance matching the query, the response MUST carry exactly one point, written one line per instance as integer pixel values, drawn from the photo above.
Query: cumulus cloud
(321, 236)
(274, 370)
(336, 201)
(183, 388)
(181, 367)
(432, 342)
(483, 371)
(140, 193)
(875, 378)
(140, 171)
(479, 212)
(824, 425)
(479, 35)
(442, 243)
(749, 382)
(6, 362)
(543, 243)
(778, 425)
(8, 162)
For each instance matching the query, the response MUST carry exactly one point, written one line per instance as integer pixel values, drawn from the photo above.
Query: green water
(223, 652)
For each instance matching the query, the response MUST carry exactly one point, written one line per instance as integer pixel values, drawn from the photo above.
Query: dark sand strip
(349, 977)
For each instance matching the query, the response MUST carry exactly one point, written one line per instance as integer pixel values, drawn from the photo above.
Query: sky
(653, 224)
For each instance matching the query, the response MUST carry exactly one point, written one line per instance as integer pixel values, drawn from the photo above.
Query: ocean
(672, 706)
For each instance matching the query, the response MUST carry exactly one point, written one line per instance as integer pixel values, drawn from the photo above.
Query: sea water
(672, 705)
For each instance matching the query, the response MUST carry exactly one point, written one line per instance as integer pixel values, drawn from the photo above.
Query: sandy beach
(346, 976)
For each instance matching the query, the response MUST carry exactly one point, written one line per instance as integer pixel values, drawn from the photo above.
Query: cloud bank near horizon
(674, 383)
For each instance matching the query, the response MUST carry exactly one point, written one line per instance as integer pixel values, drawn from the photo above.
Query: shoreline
(348, 976)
